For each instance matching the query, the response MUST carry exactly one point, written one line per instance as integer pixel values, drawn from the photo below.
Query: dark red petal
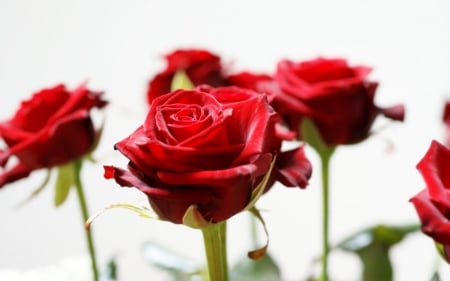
(15, 173)
(292, 168)
(433, 221)
(128, 179)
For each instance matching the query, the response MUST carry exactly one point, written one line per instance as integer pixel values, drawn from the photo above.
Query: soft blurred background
(118, 45)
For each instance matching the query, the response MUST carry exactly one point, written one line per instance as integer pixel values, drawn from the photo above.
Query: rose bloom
(433, 203)
(201, 66)
(249, 80)
(50, 129)
(209, 148)
(337, 97)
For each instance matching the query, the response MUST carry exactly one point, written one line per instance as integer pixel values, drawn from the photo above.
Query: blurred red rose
(337, 97)
(52, 128)
(446, 119)
(201, 66)
(433, 203)
(248, 80)
(209, 148)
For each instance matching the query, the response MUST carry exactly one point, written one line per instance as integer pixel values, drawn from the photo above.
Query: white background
(117, 46)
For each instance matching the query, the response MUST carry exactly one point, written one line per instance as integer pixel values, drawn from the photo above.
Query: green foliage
(178, 267)
(110, 272)
(372, 246)
(264, 269)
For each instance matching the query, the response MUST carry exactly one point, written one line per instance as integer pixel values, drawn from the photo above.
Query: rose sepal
(311, 135)
(64, 181)
(181, 81)
(443, 251)
(193, 218)
(259, 190)
(143, 212)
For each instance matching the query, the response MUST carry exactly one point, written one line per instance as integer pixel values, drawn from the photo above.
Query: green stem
(325, 161)
(84, 212)
(253, 231)
(214, 238)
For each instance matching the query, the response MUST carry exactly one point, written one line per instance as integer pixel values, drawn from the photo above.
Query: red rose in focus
(201, 66)
(52, 128)
(446, 119)
(209, 148)
(337, 97)
(433, 203)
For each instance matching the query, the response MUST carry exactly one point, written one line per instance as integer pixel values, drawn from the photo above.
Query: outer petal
(128, 179)
(66, 140)
(17, 172)
(435, 169)
(292, 168)
(33, 114)
(248, 80)
(80, 99)
(434, 223)
(217, 199)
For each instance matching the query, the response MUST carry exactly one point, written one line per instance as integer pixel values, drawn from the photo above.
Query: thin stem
(253, 231)
(214, 238)
(325, 161)
(85, 215)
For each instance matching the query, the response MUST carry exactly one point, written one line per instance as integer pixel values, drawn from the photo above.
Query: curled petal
(434, 223)
(435, 170)
(126, 178)
(15, 173)
(292, 168)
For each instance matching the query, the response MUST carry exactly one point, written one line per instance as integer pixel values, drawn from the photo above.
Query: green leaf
(181, 81)
(264, 269)
(372, 246)
(64, 181)
(180, 268)
(377, 265)
(312, 136)
(110, 272)
(435, 277)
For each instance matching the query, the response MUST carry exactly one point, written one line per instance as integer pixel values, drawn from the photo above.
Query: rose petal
(15, 173)
(433, 221)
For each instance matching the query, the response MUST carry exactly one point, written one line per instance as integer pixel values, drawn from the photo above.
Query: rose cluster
(211, 146)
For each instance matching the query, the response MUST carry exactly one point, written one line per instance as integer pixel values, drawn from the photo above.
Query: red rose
(208, 148)
(337, 97)
(248, 80)
(52, 128)
(433, 203)
(201, 66)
